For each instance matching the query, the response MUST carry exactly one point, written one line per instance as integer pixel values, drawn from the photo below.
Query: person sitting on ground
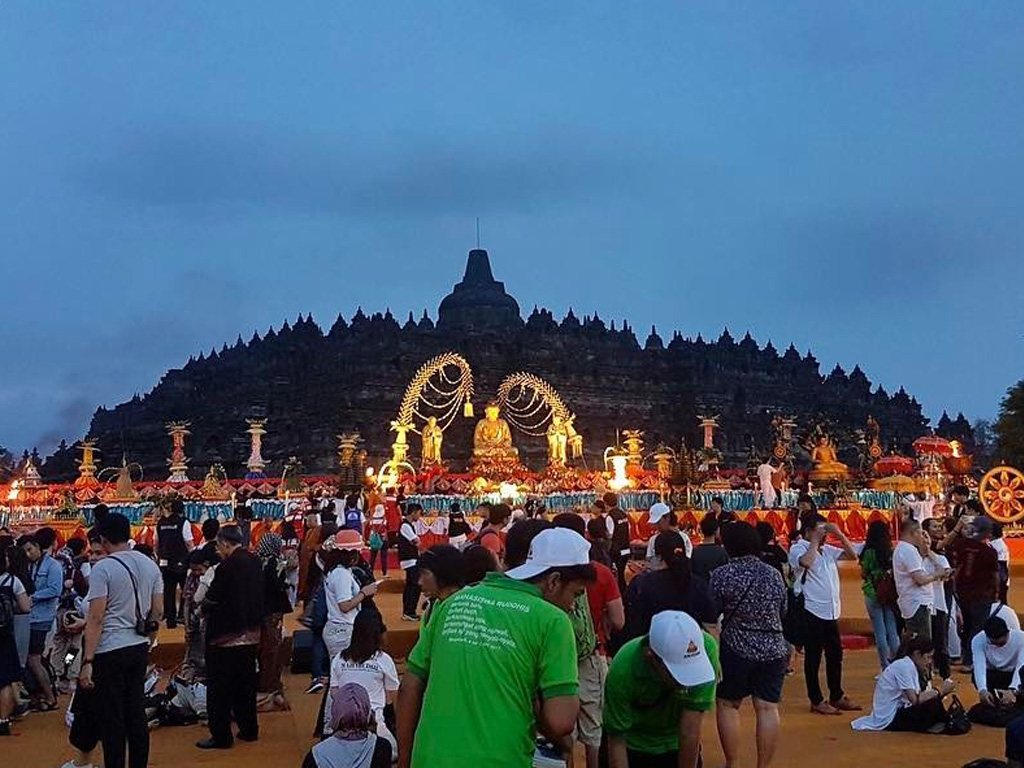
(664, 520)
(355, 743)
(667, 585)
(998, 652)
(710, 553)
(475, 705)
(753, 652)
(659, 687)
(442, 574)
(366, 663)
(900, 702)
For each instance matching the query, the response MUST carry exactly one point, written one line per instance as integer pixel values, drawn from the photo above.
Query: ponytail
(670, 547)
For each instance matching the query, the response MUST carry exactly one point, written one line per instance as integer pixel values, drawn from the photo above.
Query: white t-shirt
(12, 581)
(1006, 658)
(378, 675)
(340, 586)
(906, 560)
(932, 565)
(687, 545)
(1002, 551)
(821, 589)
(898, 677)
(407, 532)
(921, 510)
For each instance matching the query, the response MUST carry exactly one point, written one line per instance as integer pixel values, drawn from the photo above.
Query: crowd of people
(541, 641)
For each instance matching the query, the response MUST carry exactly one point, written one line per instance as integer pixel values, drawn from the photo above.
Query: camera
(146, 627)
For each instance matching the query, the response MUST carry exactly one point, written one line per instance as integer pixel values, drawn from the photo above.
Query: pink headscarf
(350, 712)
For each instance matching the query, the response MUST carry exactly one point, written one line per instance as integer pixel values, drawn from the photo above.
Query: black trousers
(119, 699)
(822, 636)
(918, 718)
(174, 578)
(231, 692)
(940, 639)
(411, 592)
(383, 552)
(975, 614)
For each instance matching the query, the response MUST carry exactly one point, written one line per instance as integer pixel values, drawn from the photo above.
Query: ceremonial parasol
(932, 445)
(894, 465)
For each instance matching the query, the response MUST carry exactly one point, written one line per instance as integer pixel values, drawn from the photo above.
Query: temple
(311, 386)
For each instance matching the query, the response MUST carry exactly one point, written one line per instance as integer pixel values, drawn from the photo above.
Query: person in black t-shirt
(710, 553)
(668, 585)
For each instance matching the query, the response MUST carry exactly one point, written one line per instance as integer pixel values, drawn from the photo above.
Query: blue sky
(843, 175)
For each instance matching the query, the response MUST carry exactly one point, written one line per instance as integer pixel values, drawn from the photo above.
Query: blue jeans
(883, 623)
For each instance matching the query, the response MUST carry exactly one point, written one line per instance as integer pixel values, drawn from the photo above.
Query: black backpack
(8, 606)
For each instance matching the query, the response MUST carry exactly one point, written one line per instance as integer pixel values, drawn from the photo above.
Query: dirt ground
(40, 741)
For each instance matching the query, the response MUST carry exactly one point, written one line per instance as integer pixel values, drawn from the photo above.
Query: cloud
(193, 169)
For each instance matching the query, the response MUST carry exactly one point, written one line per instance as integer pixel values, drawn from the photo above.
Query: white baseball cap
(678, 641)
(552, 548)
(658, 511)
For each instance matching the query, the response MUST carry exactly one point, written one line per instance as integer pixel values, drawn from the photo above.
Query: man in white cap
(489, 653)
(662, 517)
(659, 687)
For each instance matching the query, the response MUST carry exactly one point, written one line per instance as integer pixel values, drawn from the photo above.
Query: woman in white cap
(659, 687)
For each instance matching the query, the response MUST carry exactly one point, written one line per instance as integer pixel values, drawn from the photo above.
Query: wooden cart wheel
(1002, 494)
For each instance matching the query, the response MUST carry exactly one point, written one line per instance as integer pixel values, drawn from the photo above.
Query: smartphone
(379, 582)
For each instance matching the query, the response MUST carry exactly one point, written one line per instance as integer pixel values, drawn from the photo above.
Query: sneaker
(316, 686)
(407, 617)
(73, 764)
(546, 756)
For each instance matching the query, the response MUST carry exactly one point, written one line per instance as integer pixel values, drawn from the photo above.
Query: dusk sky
(843, 175)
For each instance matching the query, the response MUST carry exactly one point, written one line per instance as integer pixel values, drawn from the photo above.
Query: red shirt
(392, 514)
(603, 591)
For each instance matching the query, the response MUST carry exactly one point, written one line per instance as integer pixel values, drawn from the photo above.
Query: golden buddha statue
(826, 463)
(433, 438)
(492, 440)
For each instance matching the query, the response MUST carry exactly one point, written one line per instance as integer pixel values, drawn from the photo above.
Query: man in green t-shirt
(496, 662)
(659, 687)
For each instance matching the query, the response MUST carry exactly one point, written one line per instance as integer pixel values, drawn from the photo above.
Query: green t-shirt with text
(486, 654)
(641, 707)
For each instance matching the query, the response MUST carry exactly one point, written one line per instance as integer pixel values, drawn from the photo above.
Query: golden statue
(492, 439)
(433, 437)
(558, 442)
(826, 463)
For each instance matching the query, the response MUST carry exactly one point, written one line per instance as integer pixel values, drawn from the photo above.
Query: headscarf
(350, 712)
(352, 745)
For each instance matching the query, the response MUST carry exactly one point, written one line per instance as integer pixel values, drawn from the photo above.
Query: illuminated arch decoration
(439, 388)
(528, 403)
(436, 391)
(1001, 492)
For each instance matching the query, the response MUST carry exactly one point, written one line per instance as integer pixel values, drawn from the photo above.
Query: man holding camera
(125, 607)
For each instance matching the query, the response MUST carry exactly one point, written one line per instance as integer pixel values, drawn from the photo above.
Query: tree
(6, 463)
(1010, 427)
(984, 443)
